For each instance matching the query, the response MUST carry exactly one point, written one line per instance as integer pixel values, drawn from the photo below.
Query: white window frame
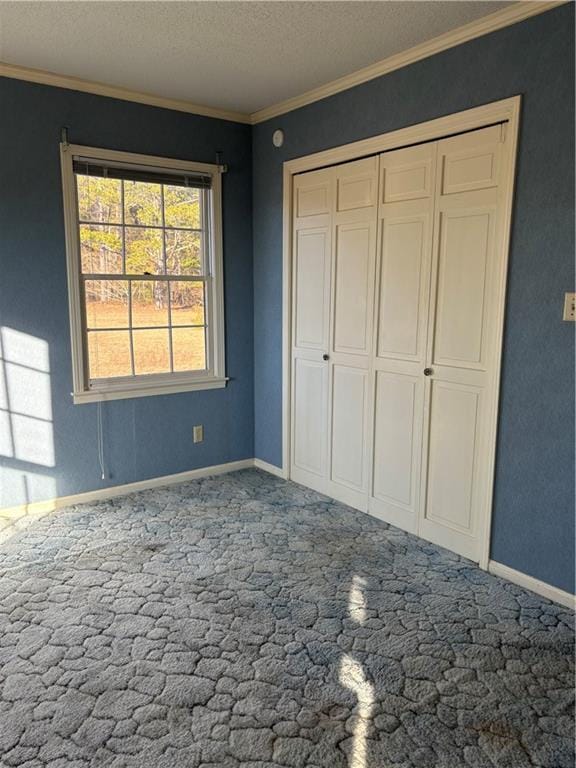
(213, 377)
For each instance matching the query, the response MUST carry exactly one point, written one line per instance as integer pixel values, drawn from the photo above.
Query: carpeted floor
(244, 621)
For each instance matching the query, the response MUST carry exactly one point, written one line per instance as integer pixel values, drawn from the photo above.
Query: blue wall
(144, 437)
(533, 524)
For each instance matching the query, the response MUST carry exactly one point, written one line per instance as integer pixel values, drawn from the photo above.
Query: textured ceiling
(233, 55)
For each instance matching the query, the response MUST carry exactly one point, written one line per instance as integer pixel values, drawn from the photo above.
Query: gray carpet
(244, 621)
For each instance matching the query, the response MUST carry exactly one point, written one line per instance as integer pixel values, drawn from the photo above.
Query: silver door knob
(325, 357)
(428, 371)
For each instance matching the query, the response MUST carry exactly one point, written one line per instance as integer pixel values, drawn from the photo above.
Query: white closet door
(351, 337)
(398, 295)
(407, 187)
(311, 270)
(334, 247)
(462, 348)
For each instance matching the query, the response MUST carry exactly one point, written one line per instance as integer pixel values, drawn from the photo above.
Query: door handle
(325, 357)
(428, 371)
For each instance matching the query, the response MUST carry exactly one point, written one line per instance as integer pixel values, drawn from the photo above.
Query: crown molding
(504, 18)
(117, 92)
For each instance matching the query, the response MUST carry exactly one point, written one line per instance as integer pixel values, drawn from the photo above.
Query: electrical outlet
(198, 433)
(569, 307)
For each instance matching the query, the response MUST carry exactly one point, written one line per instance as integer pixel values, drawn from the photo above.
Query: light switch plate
(198, 433)
(569, 307)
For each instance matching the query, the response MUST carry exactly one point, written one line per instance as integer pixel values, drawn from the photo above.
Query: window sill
(151, 390)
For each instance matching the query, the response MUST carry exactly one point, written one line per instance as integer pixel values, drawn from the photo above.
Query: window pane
(99, 199)
(189, 349)
(149, 302)
(142, 203)
(151, 351)
(101, 249)
(182, 207)
(109, 354)
(144, 251)
(106, 303)
(187, 299)
(183, 252)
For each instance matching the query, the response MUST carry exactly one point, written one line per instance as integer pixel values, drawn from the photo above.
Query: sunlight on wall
(352, 677)
(26, 431)
(356, 600)
(17, 484)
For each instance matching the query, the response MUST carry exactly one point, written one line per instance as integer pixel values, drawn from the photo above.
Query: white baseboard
(535, 585)
(272, 469)
(49, 505)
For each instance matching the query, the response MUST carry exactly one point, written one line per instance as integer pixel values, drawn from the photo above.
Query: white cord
(101, 443)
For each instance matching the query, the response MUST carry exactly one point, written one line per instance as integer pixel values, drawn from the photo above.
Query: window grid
(130, 278)
(170, 340)
(168, 227)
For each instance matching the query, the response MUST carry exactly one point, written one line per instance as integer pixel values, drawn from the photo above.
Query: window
(143, 238)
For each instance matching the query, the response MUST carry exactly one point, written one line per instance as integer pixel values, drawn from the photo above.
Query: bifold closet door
(334, 249)
(351, 337)
(437, 344)
(398, 291)
(463, 340)
(406, 215)
(313, 207)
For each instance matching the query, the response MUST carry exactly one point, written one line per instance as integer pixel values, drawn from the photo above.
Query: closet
(397, 273)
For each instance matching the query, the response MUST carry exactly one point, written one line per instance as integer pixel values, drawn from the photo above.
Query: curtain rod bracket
(64, 137)
(222, 167)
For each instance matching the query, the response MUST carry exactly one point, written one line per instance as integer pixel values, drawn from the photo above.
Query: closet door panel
(313, 202)
(453, 455)
(460, 393)
(312, 279)
(408, 174)
(333, 263)
(403, 260)
(313, 198)
(356, 184)
(354, 259)
(461, 307)
(349, 400)
(471, 161)
(397, 442)
(310, 415)
(351, 329)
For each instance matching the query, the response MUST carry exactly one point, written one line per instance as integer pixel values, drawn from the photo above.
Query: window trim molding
(148, 384)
